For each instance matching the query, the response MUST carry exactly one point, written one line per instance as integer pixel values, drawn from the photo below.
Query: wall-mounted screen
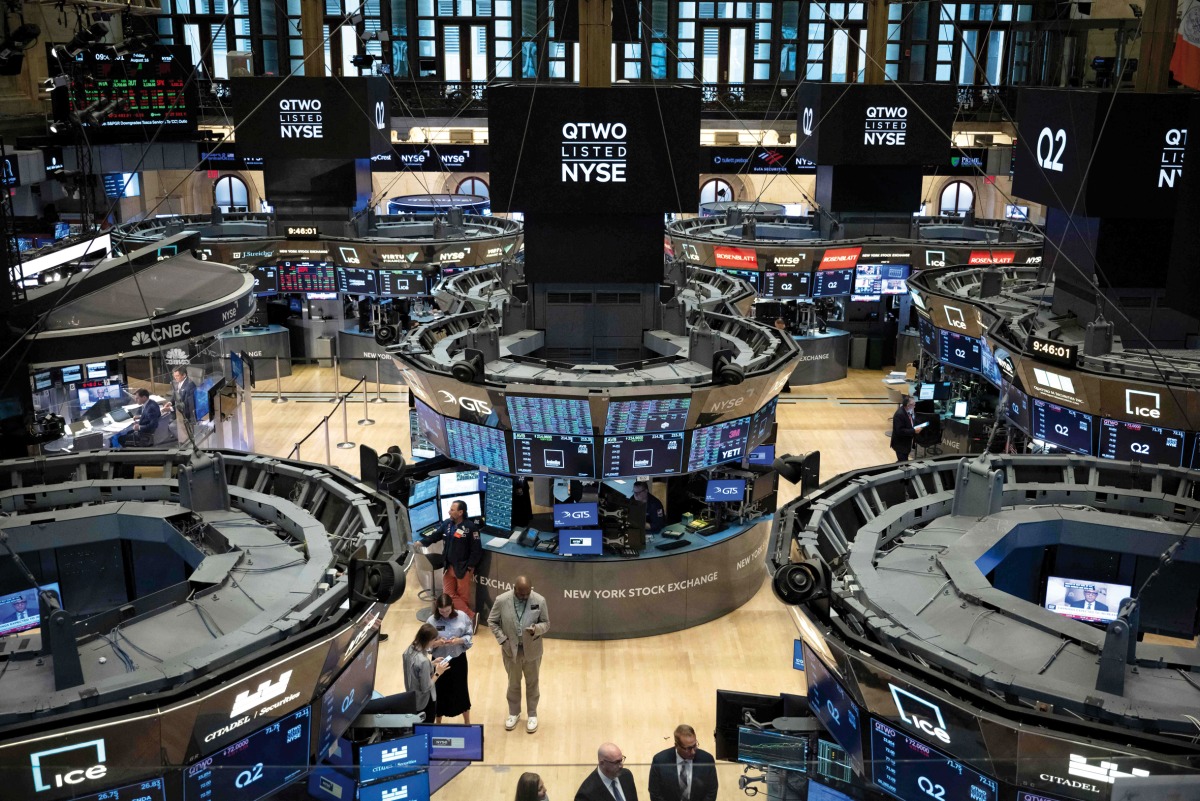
(400, 283)
(431, 426)
(723, 442)
(1138, 442)
(751, 277)
(881, 279)
(477, 444)
(97, 370)
(1016, 408)
(762, 422)
(307, 276)
(273, 756)
(831, 704)
(340, 704)
(930, 337)
(1085, 599)
(961, 351)
(784, 286)
(72, 374)
(550, 415)
(833, 283)
(266, 279)
(356, 281)
(554, 455)
(647, 416)
(387, 758)
(643, 455)
(42, 380)
(1065, 428)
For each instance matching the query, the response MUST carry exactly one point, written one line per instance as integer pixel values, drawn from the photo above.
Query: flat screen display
(356, 281)
(648, 416)
(328, 784)
(761, 423)
(1138, 442)
(723, 442)
(498, 501)
(42, 380)
(88, 396)
(881, 279)
(576, 514)
(475, 444)
(554, 455)
(202, 407)
(237, 369)
(725, 490)
(458, 741)
(97, 370)
(400, 283)
(473, 501)
(989, 367)
(266, 279)
(833, 283)
(908, 768)
(960, 409)
(458, 483)
(387, 758)
(147, 790)
(22, 611)
(776, 749)
(550, 415)
(821, 792)
(832, 762)
(72, 374)
(1084, 599)
(783, 286)
(413, 787)
(307, 276)
(255, 767)
(423, 516)
(345, 698)
(581, 542)
(930, 337)
(1065, 428)
(431, 426)
(643, 455)
(751, 277)
(1016, 407)
(424, 490)
(961, 351)
(832, 705)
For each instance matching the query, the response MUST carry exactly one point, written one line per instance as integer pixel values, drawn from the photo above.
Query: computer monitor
(119, 415)
(725, 490)
(89, 396)
(732, 708)
(457, 741)
(567, 515)
(459, 483)
(423, 516)
(96, 370)
(773, 749)
(21, 611)
(960, 409)
(1085, 599)
(424, 490)
(389, 757)
(763, 455)
(72, 373)
(498, 501)
(473, 502)
(42, 380)
(581, 542)
(237, 369)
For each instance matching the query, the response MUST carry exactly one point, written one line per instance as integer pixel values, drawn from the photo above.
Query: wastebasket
(858, 352)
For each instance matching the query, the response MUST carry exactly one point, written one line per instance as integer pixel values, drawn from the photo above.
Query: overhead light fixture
(82, 40)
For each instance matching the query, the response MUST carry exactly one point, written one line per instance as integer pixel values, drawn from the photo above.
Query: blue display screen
(255, 767)
(432, 427)
(576, 514)
(833, 283)
(498, 501)
(724, 442)
(908, 768)
(328, 784)
(550, 415)
(832, 705)
(961, 351)
(346, 697)
(414, 787)
(647, 416)
(1066, 428)
(762, 422)
(725, 490)
(581, 542)
(453, 740)
(390, 757)
(423, 516)
(477, 444)
(763, 455)
(423, 491)
(238, 370)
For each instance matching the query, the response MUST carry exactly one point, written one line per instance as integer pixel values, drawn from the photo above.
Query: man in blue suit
(683, 773)
(142, 432)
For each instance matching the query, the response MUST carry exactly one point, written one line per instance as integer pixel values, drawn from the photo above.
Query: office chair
(929, 439)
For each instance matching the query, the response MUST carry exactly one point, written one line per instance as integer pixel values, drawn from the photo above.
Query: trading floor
(632, 692)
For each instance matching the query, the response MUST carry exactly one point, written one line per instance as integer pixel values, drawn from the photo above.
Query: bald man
(611, 780)
(519, 619)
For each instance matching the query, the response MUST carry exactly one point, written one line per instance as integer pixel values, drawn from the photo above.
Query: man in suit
(683, 773)
(610, 781)
(183, 400)
(1089, 601)
(519, 619)
(20, 611)
(904, 429)
(142, 432)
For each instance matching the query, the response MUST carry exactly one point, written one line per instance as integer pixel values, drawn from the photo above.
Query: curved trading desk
(823, 357)
(355, 349)
(613, 597)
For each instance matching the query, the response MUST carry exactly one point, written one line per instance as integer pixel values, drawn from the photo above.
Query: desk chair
(929, 439)
(437, 562)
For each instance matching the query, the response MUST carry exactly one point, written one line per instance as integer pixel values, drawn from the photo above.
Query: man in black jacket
(182, 401)
(462, 553)
(904, 429)
(610, 781)
(683, 773)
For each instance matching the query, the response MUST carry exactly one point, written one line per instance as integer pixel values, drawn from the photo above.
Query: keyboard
(670, 545)
(621, 550)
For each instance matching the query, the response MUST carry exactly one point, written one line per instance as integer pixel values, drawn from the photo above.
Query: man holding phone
(519, 619)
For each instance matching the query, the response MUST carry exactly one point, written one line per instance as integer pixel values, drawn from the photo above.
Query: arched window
(472, 186)
(716, 191)
(957, 199)
(230, 193)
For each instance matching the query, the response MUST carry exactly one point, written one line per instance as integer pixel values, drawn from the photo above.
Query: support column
(595, 43)
(312, 21)
(877, 29)
(1159, 27)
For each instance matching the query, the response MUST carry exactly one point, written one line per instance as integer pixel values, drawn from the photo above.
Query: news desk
(614, 597)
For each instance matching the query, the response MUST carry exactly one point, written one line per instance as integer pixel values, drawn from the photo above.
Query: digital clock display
(303, 232)
(1054, 352)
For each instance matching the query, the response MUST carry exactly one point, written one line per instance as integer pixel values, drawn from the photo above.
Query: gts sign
(465, 403)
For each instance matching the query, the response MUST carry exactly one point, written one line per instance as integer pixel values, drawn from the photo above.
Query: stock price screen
(782, 286)
(908, 769)
(266, 279)
(476, 444)
(1066, 428)
(400, 283)
(346, 697)
(832, 705)
(148, 790)
(356, 280)
(647, 416)
(254, 767)
(154, 84)
(929, 337)
(1137, 442)
(498, 501)
(550, 415)
(307, 276)
(643, 455)
(554, 455)
(761, 423)
(724, 442)
(833, 283)
(749, 276)
(961, 351)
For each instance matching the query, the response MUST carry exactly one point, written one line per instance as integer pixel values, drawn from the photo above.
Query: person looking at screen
(1089, 601)
(454, 638)
(531, 788)
(656, 517)
(141, 433)
(685, 772)
(463, 551)
(420, 674)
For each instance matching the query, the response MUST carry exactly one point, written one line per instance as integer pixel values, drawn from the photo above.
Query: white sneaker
(510, 723)
(531, 724)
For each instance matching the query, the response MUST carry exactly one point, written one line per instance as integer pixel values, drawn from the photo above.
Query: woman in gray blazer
(420, 674)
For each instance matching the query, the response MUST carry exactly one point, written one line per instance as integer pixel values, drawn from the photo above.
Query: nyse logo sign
(268, 690)
(886, 126)
(301, 119)
(1050, 147)
(1143, 404)
(922, 715)
(594, 152)
(46, 777)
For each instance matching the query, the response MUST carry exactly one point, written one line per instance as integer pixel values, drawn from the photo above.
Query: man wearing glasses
(683, 773)
(610, 781)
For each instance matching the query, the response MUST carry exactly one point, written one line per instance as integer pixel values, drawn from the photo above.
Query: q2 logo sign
(1047, 157)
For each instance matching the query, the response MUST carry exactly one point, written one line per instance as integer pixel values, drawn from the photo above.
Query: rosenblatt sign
(740, 258)
(840, 258)
(992, 257)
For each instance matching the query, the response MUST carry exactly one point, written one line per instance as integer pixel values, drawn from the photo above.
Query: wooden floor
(632, 692)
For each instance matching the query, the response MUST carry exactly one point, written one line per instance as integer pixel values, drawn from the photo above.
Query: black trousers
(902, 454)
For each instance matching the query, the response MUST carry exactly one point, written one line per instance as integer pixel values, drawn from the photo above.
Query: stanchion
(366, 421)
(295, 452)
(278, 384)
(378, 386)
(345, 443)
(337, 371)
(328, 455)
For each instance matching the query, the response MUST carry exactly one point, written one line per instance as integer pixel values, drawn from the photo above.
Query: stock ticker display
(154, 84)
(477, 444)
(1138, 442)
(724, 442)
(647, 416)
(307, 276)
(643, 455)
(908, 768)
(254, 767)
(554, 455)
(550, 415)
(148, 790)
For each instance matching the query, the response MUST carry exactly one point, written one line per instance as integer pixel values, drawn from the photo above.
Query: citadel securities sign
(291, 121)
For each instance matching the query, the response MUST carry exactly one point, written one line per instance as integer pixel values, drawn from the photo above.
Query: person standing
(421, 675)
(519, 619)
(683, 773)
(610, 781)
(462, 552)
(182, 402)
(904, 428)
(454, 629)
